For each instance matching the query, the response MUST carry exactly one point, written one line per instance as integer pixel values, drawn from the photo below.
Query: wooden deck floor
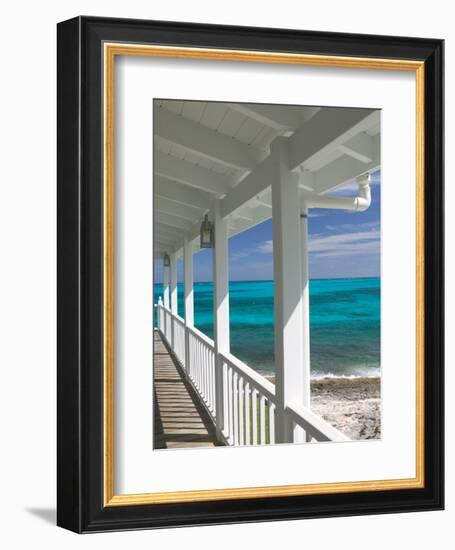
(180, 419)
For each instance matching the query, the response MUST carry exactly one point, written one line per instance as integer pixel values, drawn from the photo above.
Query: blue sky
(342, 244)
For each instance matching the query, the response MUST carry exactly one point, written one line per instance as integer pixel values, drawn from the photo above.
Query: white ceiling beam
(278, 117)
(162, 232)
(166, 230)
(172, 221)
(262, 213)
(182, 193)
(326, 131)
(164, 246)
(194, 232)
(163, 237)
(341, 171)
(262, 202)
(309, 112)
(205, 142)
(258, 180)
(274, 116)
(361, 147)
(237, 226)
(169, 212)
(169, 245)
(182, 211)
(191, 174)
(243, 214)
(306, 180)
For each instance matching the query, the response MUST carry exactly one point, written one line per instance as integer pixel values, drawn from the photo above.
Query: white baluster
(262, 421)
(272, 423)
(235, 389)
(231, 407)
(226, 401)
(247, 414)
(255, 414)
(241, 412)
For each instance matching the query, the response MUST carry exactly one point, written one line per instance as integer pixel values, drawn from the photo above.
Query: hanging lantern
(206, 233)
(166, 260)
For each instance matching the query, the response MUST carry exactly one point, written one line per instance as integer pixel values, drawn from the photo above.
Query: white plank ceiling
(203, 150)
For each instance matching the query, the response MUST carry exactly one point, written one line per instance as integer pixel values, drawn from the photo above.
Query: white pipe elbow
(363, 200)
(360, 203)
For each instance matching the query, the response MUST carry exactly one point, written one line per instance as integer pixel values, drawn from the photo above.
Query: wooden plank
(180, 419)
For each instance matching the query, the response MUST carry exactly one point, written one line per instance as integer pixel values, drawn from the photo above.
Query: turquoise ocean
(344, 324)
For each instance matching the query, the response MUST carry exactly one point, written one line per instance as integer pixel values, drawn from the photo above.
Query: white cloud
(345, 240)
(346, 244)
(354, 226)
(266, 247)
(238, 256)
(312, 213)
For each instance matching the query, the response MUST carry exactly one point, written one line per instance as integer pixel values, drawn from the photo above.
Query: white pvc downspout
(357, 204)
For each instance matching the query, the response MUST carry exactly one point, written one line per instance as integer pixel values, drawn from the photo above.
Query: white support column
(173, 269)
(188, 282)
(189, 296)
(166, 286)
(305, 304)
(159, 314)
(173, 277)
(288, 298)
(221, 309)
(306, 363)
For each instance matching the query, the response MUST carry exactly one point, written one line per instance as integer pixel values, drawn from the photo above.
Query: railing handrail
(202, 336)
(258, 381)
(178, 318)
(176, 315)
(314, 424)
(192, 329)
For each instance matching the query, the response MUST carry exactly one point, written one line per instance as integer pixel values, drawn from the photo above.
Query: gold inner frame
(111, 50)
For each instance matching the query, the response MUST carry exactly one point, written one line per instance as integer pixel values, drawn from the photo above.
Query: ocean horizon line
(272, 280)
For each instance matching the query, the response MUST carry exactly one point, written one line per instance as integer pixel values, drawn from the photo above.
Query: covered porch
(237, 165)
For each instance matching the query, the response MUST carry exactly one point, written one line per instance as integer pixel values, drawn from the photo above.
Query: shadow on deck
(180, 419)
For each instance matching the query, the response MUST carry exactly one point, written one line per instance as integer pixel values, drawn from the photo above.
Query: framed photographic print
(250, 274)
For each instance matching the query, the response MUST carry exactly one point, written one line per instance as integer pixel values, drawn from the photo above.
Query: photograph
(252, 202)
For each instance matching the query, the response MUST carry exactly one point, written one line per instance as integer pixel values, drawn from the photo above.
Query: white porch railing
(248, 398)
(249, 404)
(178, 338)
(201, 367)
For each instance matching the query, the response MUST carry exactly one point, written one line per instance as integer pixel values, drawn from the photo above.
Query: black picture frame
(80, 282)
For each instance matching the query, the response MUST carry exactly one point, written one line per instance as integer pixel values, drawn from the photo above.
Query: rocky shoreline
(352, 405)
